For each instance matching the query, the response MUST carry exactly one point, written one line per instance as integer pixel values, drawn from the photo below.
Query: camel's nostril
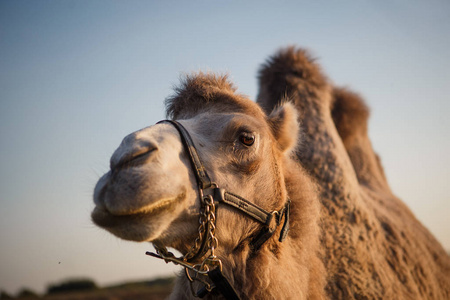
(132, 158)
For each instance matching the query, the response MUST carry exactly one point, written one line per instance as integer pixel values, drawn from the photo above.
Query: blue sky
(77, 76)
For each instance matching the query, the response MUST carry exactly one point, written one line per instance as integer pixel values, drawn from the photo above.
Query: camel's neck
(264, 275)
(288, 269)
(278, 270)
(257, 275)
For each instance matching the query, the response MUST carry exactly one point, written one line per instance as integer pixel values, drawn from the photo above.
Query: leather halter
(269, 220)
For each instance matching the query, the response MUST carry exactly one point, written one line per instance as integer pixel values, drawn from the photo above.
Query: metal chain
(206, 236)
(201, 233)
(213, 243)
(208, 220)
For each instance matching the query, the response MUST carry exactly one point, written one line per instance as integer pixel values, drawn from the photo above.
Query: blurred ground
(149, 290)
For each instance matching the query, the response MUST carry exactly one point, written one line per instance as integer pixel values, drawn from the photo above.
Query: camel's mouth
(102, 217)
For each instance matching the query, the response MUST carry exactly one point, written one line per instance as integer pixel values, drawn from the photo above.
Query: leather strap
(270, 220)
(245, 206)
(200, 173)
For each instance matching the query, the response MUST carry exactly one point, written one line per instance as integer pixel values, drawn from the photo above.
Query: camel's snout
(134, 150)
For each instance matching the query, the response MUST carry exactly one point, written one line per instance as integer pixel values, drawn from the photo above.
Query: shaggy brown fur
(372, 245)
(206, 92)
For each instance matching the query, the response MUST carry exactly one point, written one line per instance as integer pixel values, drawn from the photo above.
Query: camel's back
(414, 263)
(382, 251)
(410, 252)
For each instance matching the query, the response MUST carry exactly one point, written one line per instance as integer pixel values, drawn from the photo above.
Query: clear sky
(77, 76)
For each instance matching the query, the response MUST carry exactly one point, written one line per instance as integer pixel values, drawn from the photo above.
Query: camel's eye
(247, 139)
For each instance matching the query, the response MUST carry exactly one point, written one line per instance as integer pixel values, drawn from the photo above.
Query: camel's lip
(102, 217)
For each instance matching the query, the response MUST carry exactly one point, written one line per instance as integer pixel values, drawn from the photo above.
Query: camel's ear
(285, 127)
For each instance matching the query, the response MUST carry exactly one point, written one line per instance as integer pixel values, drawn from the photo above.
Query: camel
(151, 193)
(372, 245)
(301, 157)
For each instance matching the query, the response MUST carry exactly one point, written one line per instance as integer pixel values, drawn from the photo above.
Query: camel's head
(151, 193)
